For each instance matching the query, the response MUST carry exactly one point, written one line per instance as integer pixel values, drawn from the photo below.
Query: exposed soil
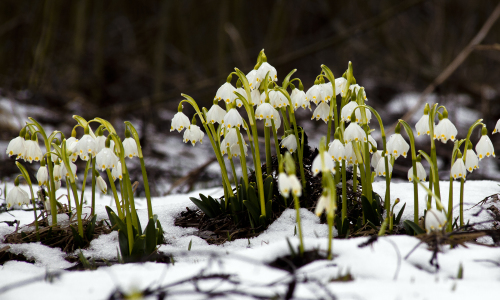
(292, 262)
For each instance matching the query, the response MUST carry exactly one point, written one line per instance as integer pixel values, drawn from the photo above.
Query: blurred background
(131, 60)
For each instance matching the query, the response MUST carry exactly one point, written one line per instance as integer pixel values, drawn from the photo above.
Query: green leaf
(78, 240)
(262, 220)
(286, 81)
(123, 242)
(269, 208)
(159, 233)
(415, 229)
(204, 207)
(253, 210)
(89, 231)
(138, 251)
(252, 196)
(369, 212)
(151, 239)
(268, 188)
(116, 222)
(400, 214)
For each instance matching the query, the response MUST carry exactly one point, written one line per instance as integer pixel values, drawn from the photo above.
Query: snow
(380, 270)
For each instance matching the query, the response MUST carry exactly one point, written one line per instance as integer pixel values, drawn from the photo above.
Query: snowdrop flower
(445, 130)
(57, 172)
(322, 112)
(253, 79)
(329, 164)
(299, 99)
(471, 160)
(193, 134)
(277, 99)
(216, 114)
(71, 147)
(434, 220)
(86, 146)
(42, 176)
(345, 114)
(290, 143)
(231, 138)
(497, 127)
(377, 155)
(337, 150)
(242, 92)
(255, 97)
(397, 146)
(106, 159)
(458, 169)
(355, 88)
(235, 150)
(314, 95)
(265, 111)
(266, 67)
(101, 184)
(33, 151)
(225, 93)
(276, 118)
(17, 196)
(368, 115)
(341, 86)
(380, 169)
(422, 125)
(233, 119)
(130, 146)
(354, 132)
(179, 122)
(484, 147)
(421, 174)
(116, 173)
(65, 172)
(351, 158)
(325, 204)
(57, 185)
(373, 143)
(326, 91)
(289, 183)
(16, 147)
(100, 142)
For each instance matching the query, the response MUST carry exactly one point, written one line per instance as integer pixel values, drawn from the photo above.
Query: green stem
(344, 191)
(115, 194)
(297, 209)
(69, 195)
(462, 181)
(92, 213)
(87, 166)
(243, 159)
(267, 138)
(78, 208)
(409, 132)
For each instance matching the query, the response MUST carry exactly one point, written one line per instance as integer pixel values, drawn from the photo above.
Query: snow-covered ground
(239, 270)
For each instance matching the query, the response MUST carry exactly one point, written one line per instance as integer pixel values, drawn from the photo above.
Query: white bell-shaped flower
(253, 79)
(471, 160)
(351, 158)
(373, 143)
(284, 185)
(368, 115)
(329, 164)
(106, 159)
(255, 97)
(458, 169)
(277, 99)
(33, 151)
(16, 147)
(354, 132)
(397, 146)
(337, 150)
(101, 184)
(179, 122)
(497, 127)
(484, 147)
(42, 176)
(57, 184)
(299, 99)
(193, 134)
(233, 119)
(56, 171)
(345, 114)
(65, 172)
(326, 91)
(231, 138)
(130, 147)
(265, 111)
(225, 93)
(86, 146)
(100, 142)
(236, 151)
(377, 155)
(116, 173)
(325, 203)
(295, 184)
(17, 196)
(435, 220)
(242, 92)
(71, 147)
(314, 95)
(422, 125)
(266, 67)
(341, 86)
(276, 118)
(445, 130)
(322, 112)
(421, 174)
(380, 169)
(290, 143)
(216, 114)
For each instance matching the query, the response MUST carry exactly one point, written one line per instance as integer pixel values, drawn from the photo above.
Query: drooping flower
(233, 119)
(345, 114)
(277, 99)
(17, 196)
(65, 172)
(380, 169)
(253, 79)
(225, 93)
(33, 151)
(337, 150)
(373, 143)
(16, 147)
(289, 183)
(377, 155)
(354, 132)
(322, 112)
(266, 67)
(86, 146)
(341, 86)
(355, 88)
(106, 159)
(42, 176)
(497, 127)
(265, 111)
(130, 147)
(397, 146)
(57, 184)
(434, 220)
(116, 173)
(445, 130)
(484, 147)
(242, 92)
(231, 138)
(295, 184)
(179, 122)
(101, 184)
(421, 174)
(368, 115)
(216, 114)
(299, 99)
(193, 134)
(57, 172)
(325, 203)
(422, 125)
(255, 97)
(328, 161)
(458, 169)
(471, 160)
(71, 146)
(276, 118)
(326, 91)
(314, 95)
(290, 143)
(351, 158)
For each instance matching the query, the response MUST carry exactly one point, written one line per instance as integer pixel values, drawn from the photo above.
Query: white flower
(377, 155)
(242, 92)
(86, 146)
(57, 172)
(231, 138)
(368, 115)
(16, 147)
(341, 86)
(289, 183)
(484, 147)
(397, 146)
(265, 111)
(355, 88)
(458, 169)
(42, 176)
(295, 184)
(57, 184)
(345, 114)
(276, 118)
(101, 184)
(193, 134)
(277, 99)
(33, 151)
(106, 159)
(325, 203)
(380, 169)
(290, 142)
(497, 127)
(262, 98)
(354, 132)
(434, 220)
(314, 95)
(445, 130)
(233, 119)
(65, 172)
(179, 122)
(299, 99)
(235, 150)
(471, 161)
(216, 114)
(100, 142)
(422, 125)
(337, 150)
(116, 173)
(225, 93)
(253, 79)
(326, 91)
(322, 112)
(329, 164)
(373, 144)
(17, 196)
(130, 147)
(71, 147)
(351, 158)
(255, 97)
(421, 174)
(266, 67)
